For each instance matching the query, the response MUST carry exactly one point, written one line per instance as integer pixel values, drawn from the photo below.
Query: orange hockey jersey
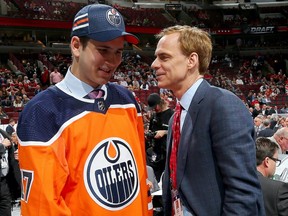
(83, 157)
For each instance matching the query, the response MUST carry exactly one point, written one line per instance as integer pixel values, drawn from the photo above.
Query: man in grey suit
(216, 172)
(275, 193)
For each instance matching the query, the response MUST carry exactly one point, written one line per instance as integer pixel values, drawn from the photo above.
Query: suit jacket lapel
(190, 123)
(169, 141)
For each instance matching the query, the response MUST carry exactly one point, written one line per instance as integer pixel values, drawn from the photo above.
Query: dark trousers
(5, 198)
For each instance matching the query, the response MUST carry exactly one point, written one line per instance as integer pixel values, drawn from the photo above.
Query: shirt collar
(186, 99)
(74, 86)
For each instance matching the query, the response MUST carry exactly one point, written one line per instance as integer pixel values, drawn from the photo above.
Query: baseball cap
(101, 23)
(153, 100)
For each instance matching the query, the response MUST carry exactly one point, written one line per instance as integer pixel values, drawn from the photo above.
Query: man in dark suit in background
(10, 175)
(215, 165)
(267, 131)
(10, 127)
(6, 102)
(275, 193)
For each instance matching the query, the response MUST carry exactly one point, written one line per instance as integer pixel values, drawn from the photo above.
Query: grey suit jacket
(216, 169)
(275, 194)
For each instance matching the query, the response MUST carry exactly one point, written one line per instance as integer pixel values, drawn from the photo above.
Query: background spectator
(11, 126)
(275, 193)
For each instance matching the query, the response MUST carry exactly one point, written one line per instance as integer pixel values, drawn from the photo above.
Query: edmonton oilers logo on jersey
(110, 174)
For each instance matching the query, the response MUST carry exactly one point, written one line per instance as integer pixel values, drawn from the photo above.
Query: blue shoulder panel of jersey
(43, 116)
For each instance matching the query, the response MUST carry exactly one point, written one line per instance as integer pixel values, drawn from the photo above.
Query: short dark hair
(264, 148)
(153, 100)
(84, 41)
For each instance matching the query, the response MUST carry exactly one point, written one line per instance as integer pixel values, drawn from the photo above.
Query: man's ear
(192, 60)
(75, 46)
(266, 162)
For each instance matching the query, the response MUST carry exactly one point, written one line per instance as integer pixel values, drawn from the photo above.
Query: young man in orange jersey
(82, 141)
